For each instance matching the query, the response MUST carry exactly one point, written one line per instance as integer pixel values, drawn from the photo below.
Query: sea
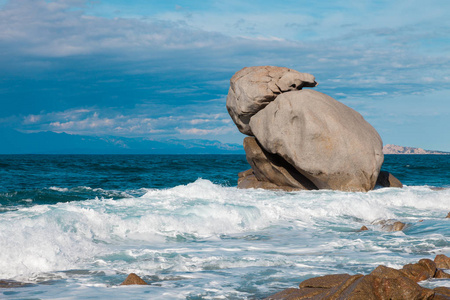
(74, 227)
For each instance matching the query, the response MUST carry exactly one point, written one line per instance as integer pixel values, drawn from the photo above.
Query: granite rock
(326, 141)
(273, 168)
(252, 88)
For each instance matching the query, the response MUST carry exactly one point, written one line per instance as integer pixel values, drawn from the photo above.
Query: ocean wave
(204, 227)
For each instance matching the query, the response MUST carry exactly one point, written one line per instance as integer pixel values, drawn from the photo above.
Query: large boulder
(326, 141)
(273, 168)
(252, 88)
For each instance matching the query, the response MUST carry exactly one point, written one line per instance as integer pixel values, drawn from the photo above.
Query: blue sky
(160, 69)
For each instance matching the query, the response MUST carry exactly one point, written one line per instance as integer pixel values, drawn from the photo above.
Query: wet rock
(249, 181)
(422, 270)
(441, 274)
(272, 168)
(133, 279)
(448, 215)
(5, 283)
(252, 88)
(382, 287)
(245, 173)
(327, 281)
(382, 283)
(390, 225)
(386, 179)
(443, 290)
(364, 228)
(442, 261)
(326, 141)
(296, 294)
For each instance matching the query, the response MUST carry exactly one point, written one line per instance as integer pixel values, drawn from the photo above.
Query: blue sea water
(74, 226)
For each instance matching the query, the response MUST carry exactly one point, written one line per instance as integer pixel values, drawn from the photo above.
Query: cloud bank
(162, 70)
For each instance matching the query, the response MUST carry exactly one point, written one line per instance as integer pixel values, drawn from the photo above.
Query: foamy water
(207, 241)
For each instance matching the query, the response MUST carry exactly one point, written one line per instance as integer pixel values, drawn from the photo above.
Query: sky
(159, 70)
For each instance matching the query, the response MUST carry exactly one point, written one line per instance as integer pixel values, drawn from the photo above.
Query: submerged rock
(133, 279)
(5, 283)
(390, 225)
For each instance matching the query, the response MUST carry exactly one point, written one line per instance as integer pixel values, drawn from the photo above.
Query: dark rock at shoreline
(272, 168)
(248, 180)
(133, 279)
(381, 283)
(13, 284)
(386, 179)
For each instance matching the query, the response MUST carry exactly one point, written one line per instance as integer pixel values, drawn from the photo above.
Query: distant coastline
(395, 149)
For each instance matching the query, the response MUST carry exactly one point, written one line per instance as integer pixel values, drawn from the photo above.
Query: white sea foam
(203, 232)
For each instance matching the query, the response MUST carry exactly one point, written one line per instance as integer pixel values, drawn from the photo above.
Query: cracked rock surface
(252, 88)
(303, 139)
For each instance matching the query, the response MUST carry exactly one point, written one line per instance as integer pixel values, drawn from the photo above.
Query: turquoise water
(75, 226)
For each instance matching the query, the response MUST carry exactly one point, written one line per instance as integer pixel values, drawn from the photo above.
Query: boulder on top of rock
(326, 141)
(252, 88)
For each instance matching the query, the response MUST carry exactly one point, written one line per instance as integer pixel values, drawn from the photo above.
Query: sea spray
(206, 238)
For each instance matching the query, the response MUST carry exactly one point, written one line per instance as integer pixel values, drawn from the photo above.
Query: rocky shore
(381, 283)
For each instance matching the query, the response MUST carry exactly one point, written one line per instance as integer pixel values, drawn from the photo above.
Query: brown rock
(383, 283)
(296, 294)
(448, 215)
(441, 274)
(251, 182)
(339, 291)
(390, 225)
(363, 228)
(443, 290)
(438, 296)
(386, 272)
(442, 261)
(133, 279)
(422, 270)
(327, 281)
(245, 173)
(273, 168)
(372, 287)
(386, 179)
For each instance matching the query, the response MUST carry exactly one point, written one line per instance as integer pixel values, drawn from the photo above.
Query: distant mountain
(394, 149)
(15, 142)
